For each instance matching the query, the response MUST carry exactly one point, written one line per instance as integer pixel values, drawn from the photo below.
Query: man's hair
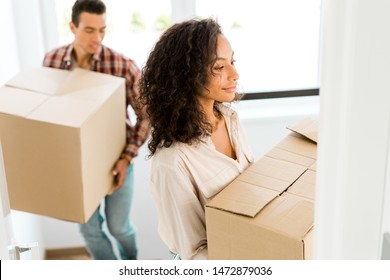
(88, 6)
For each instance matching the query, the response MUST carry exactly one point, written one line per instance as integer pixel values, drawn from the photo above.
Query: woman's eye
(218, 68)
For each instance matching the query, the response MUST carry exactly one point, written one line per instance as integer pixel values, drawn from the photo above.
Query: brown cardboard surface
(248, 202)
(307, 128)
(19, 102)
(288, 156)
(299, 146)
(279, 174)
(62, 132)
(268, 211)
(277, 232)
(304, 186)
(43, 80)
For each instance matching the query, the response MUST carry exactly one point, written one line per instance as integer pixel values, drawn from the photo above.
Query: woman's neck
(213, 116)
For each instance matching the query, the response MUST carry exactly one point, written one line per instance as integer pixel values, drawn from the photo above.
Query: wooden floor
(79, 253)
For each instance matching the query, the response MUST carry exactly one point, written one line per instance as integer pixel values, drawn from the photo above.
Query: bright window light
(276, 42)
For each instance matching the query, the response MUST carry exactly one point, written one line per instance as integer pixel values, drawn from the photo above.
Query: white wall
(9, 65)
(265, 120)
(354, 135)
(6, 230)
(27, 228)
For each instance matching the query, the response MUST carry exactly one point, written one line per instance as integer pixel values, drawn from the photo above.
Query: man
(88, 26)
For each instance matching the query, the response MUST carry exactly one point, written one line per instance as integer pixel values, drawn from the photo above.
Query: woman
(197, 145)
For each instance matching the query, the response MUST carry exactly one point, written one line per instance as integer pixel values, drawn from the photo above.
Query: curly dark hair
(175, 73)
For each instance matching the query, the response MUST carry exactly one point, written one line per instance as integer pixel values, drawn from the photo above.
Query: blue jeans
(117, 216)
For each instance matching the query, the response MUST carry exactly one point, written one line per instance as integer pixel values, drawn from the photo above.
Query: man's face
(89, 33)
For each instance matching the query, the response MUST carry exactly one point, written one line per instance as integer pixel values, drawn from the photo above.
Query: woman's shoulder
(171, 155)
(171, 161)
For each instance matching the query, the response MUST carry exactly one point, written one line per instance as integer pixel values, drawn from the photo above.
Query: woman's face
(222, 83)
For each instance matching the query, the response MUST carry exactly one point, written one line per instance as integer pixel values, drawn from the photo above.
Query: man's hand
(120, 171)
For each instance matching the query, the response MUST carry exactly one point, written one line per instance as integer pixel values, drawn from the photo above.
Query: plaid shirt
(109, 62)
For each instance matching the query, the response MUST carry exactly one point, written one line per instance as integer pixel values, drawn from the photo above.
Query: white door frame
(354, 129)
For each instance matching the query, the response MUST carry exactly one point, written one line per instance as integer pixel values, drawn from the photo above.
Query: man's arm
(138, 133)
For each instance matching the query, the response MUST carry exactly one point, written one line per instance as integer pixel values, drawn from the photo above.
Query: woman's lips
(230, 89)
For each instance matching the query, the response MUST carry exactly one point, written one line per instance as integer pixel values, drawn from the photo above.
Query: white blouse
(185, 177)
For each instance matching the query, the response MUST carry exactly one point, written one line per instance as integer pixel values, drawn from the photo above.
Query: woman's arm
(181, 215)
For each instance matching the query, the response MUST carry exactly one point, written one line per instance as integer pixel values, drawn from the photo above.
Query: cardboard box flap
(313, 166)
(257, 186)
(52, 81)
(98, 93)
(288, 214)
(81, 79)
(19, 102)
(65, 111)
(43, 80)
(275, 170)
(305, 185)
(297, 144)
(264, 181)
(307, 128)
(72, 109)
(278, 153)
(248, 201)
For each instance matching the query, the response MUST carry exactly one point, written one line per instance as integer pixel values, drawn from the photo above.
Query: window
(276, 42)
(132, 26)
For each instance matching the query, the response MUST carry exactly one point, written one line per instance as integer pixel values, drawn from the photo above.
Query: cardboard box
(267, 212)
(61, 133)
